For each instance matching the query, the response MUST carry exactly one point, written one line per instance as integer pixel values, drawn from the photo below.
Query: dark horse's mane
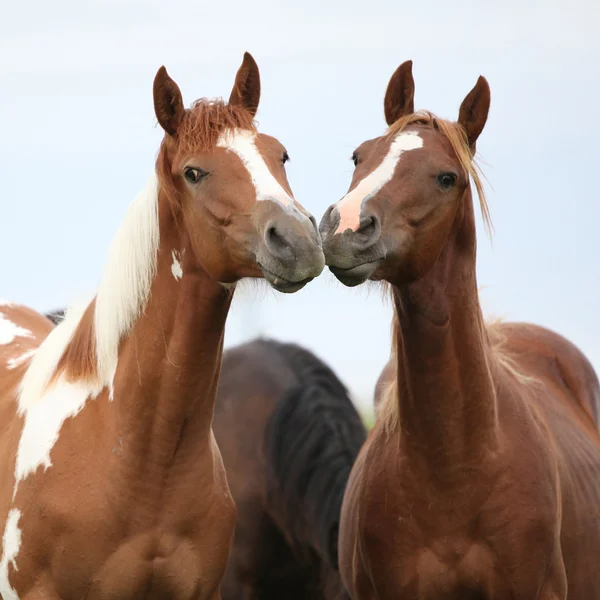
(56, 316)
(312, 441)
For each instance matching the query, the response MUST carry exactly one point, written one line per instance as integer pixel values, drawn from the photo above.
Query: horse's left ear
(168, 103)
(474, 111)
(246, 88)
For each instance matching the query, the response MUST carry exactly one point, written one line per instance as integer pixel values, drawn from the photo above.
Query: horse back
(556, 362)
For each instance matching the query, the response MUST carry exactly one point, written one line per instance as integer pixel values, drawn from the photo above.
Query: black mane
(312, 441)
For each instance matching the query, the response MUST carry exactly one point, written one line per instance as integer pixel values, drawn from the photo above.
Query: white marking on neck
(122, 295)
(9, 331)
(242, 143)
(176, 266)
(11, 544)
(350, 206)
(13, 363)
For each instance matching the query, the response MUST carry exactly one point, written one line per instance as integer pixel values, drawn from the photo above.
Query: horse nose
(329, 221)
(278, 243)
(368, 232)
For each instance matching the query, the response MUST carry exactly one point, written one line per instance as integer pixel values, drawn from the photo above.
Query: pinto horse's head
(408, 187)
(229, 183)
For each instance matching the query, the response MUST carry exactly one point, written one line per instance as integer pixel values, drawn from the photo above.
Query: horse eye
(194, 175)
(285, 158)
(355, 159)
(446, 180)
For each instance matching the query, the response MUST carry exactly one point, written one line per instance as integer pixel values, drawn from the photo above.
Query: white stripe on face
(242, 142)
(351, 204)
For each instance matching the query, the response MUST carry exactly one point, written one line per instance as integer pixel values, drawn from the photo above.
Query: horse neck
(447, 405)
(169, 365)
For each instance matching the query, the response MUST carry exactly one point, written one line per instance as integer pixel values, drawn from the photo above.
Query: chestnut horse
(289, 435)
(112, 482)
(481, 477)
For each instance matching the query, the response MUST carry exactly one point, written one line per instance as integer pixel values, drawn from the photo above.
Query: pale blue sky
(79, 140)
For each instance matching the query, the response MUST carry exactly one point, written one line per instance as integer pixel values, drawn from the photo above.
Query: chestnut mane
(199, 131)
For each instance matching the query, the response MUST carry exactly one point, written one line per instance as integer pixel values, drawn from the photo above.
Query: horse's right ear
(400, 95)
(168, 103)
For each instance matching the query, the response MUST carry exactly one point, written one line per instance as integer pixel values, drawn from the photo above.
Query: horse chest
(104, 539)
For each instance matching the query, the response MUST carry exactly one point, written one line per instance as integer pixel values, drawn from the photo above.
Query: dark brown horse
(481, 478)
(105, 420)
(289, 435)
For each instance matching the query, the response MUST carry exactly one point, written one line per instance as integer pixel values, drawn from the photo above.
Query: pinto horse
(481, 477)
(289, 435)
(112, 483)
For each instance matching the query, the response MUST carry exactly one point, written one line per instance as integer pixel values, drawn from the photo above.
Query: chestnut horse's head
(229, 184)
(407, 189)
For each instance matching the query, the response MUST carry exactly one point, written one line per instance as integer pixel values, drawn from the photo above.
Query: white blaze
(11, 544)
(242, 143)
(351, 204)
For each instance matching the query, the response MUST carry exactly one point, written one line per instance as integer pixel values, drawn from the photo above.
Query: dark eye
(355, 159)
(194, 175)
(446, 180)
(285, 158)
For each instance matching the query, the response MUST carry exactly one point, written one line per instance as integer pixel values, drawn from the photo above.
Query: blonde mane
(84, 347)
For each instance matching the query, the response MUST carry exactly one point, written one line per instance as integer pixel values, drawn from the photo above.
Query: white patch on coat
(122, 295)
(350, 206)
(9, 331)
(43, 422)
(11, 544)
(242, 143)
(44, 406)
(13, 363)
(176, 266)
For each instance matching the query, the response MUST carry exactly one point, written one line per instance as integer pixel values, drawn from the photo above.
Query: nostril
(368, 231)
(277, 244)
(329, 221)
(314, 223)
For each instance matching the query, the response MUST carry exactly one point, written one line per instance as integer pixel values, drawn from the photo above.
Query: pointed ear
(474, 111)
(168, 103)
(400, 94)
(246, 88)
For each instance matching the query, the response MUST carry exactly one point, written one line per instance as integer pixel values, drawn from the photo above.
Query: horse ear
(168, 103)
(474, 110)
(400, 94)
(246, 88)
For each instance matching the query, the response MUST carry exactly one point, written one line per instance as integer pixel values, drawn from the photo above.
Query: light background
(79, 137)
